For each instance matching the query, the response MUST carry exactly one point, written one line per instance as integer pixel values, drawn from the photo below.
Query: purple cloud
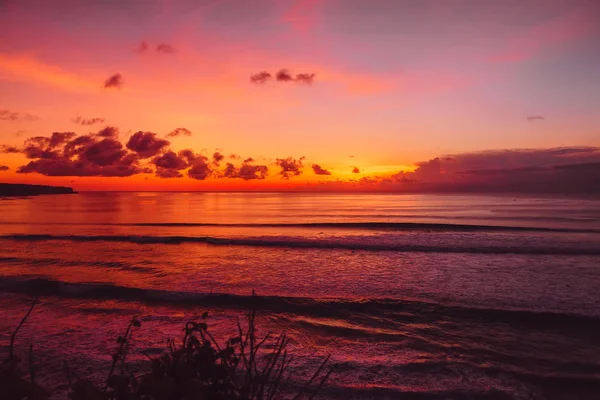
(180, 132)
(320, 171)
(115, 81)
(87, 121)
(146, 144)
(290, 167)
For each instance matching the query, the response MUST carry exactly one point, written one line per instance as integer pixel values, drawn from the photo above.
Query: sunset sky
(406, 94)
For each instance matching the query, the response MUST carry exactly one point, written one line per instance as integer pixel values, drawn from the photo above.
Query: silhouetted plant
(242, 368)
(13, 383)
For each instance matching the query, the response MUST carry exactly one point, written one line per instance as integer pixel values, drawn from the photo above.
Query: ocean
(414, 296)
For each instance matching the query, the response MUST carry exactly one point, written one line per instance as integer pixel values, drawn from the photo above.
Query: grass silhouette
(243, 367)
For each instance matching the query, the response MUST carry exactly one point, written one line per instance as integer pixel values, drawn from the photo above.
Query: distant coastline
(19, 189)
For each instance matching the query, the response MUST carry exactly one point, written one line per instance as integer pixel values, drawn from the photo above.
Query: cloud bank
(555, 170)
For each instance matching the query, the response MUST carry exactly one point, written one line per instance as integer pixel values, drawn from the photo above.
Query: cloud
(45, 147)
(109, 131)
(217, 158)
(305, 78)
(165, 48)
(87, 121)
(115, 81)
(170, 164)
(320, 171)
(4, 168)
(171, 160)
(66, 154)
(234, 156)
(146, 144)
(103, 153)
(261, 77)
(200, 169)
(290, 167)
(533, 118)
(283, 75)
(355, 170)
(246, 171)
(188, 155)
(9, 149)
(555, 170)
(180, 132)
(168, 173)
(8, 115)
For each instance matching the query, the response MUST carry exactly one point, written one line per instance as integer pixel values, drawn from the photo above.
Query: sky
(316, 95)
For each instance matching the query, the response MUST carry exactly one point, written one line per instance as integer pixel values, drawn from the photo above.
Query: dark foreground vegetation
(17, 189)
(243, 367)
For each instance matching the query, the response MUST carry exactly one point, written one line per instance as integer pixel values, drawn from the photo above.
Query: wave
(402, 311)
(308, 243)
(385, 226)
(40, 262)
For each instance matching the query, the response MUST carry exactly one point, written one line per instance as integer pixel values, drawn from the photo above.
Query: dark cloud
(283, 75)
(168, 173)
(533, 118)
(67, 167)
(19, 133)
(188, 155)
(45, 147)
(103, 153)
(60, 138)
(108, 132)
(305, 78)
(87, 121)
(261, 77)
(165, 48)
(8, 115)
(246, 171)
(115, 81)
(66, 154)
(180, 132)
(217, 158)
(318, 170)
(234, 157)
(290, 167)
(77, 145)
(9, 149)
(355, 170)
(200, 169)
(556, 170)
(146, 144)
(143, 47)
(4, 168)
(171, 160)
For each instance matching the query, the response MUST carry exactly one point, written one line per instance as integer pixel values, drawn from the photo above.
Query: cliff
(17, 189)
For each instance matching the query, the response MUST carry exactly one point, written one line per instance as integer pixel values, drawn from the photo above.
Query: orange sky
(397, 83)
